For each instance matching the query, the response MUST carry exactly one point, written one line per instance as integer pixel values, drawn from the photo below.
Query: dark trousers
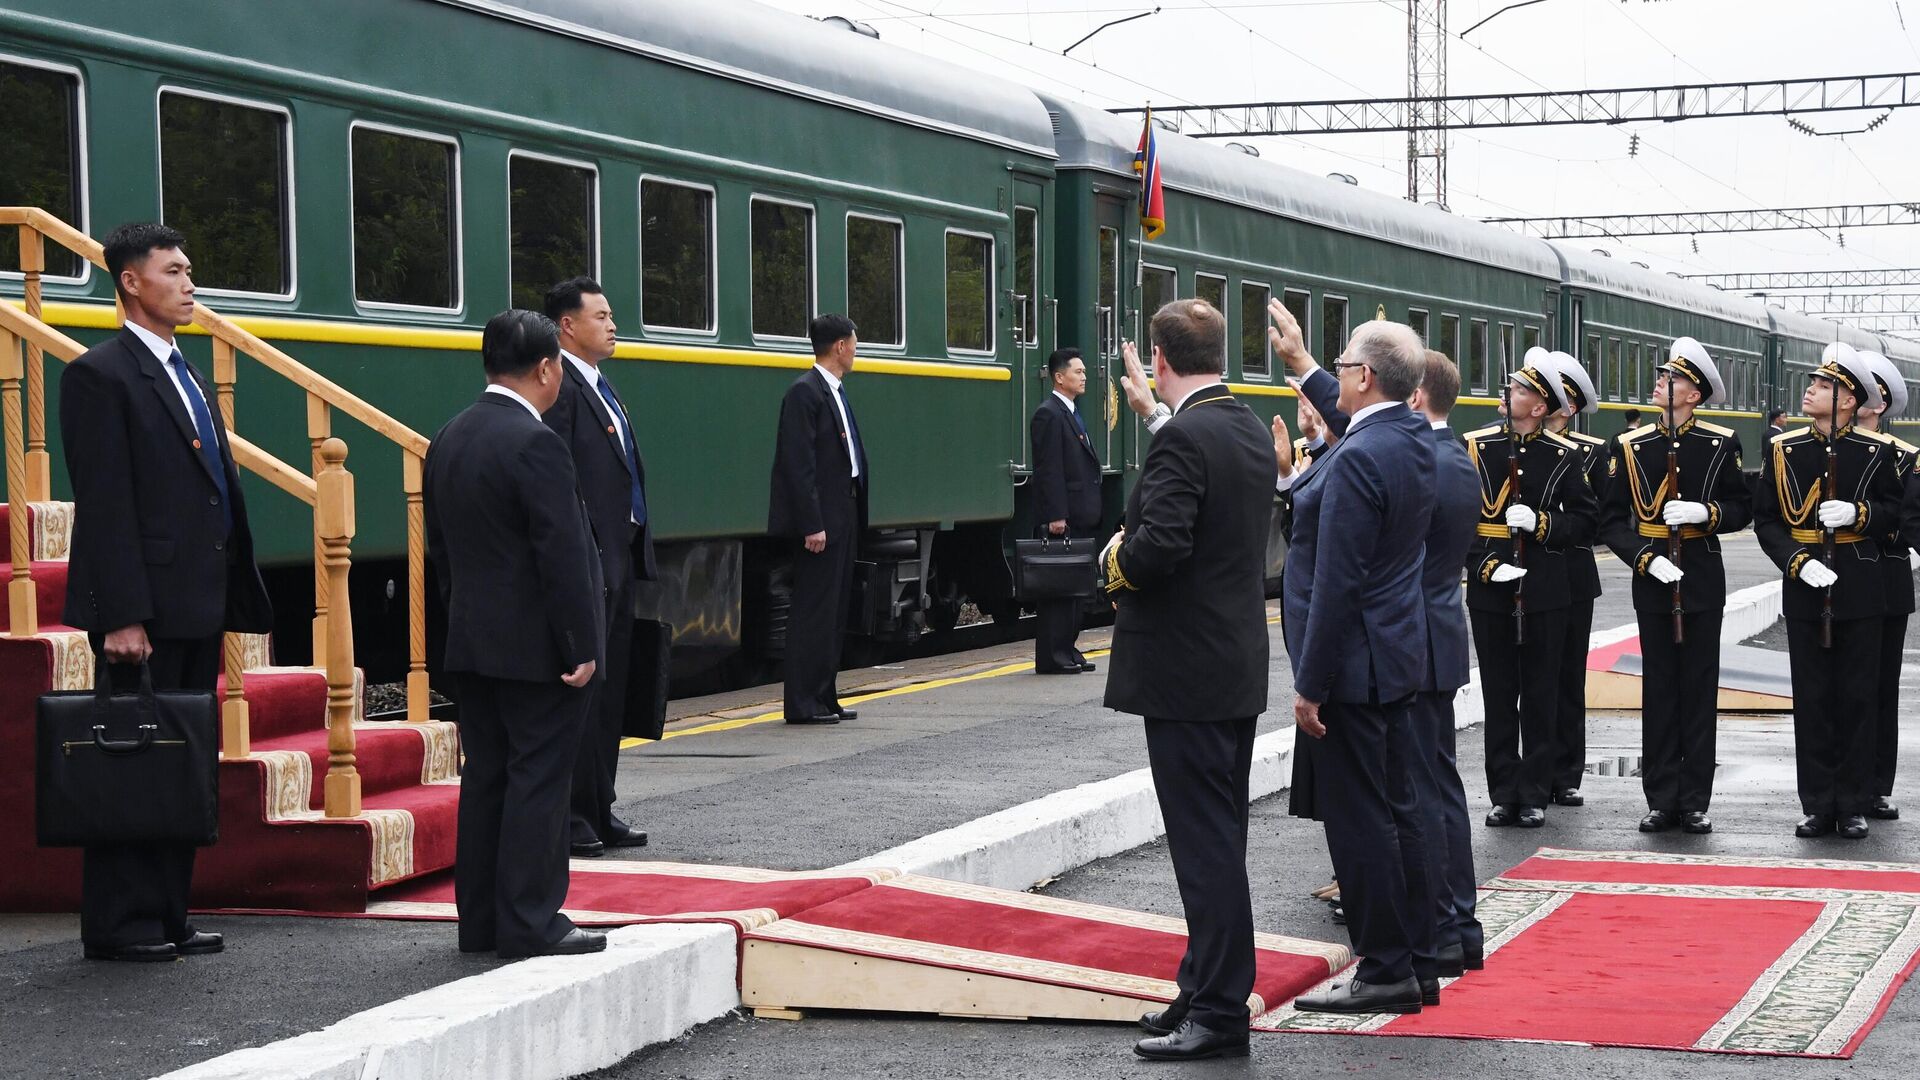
(1200, 775)
(1522, 693)
(816, 622)
(137, 895)
(1442, 798)
(1570, 718)
(597, 765)
(1371, 810)
(1056, 623)
(1679, 697)
(1836, 714)
(1886, 744)
(510, 870)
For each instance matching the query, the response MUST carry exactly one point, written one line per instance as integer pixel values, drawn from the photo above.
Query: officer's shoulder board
(1639, 433)
(1583, 437)
(1903, 445)
(1482, 434)
(1713, 429)
(1560, 440)
(1796, 433)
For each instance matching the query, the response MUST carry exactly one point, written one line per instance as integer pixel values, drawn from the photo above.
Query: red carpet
(1676, 952)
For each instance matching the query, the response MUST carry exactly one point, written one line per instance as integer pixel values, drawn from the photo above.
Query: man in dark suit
(514, 556)
(1190, 656)
(818, 499)
(162, 558)
(1459, 943)
(1356, 627)
(1066, 500)
(1774, 426)
(593, 420)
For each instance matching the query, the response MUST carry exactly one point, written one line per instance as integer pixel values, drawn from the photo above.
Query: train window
(406, 211)
(1107, 329)
(1477, 354)
(1450, 337)
(1529, 339)
(553, 224)
(1417, 319)
(1026, 272)
(1159, 286)
(1297, 301)
(676, 256)
(1213, 289)
(969, 291)
(1630, 378)
(1596, 370)
(1508, 358)
(43, 165)
(1254, 350)
(224, 168)
(1615, 384)
(782, 267)
(876, 279)
(1333, 328)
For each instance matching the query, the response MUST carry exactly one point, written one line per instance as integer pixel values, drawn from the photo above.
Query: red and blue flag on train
(1153, 202)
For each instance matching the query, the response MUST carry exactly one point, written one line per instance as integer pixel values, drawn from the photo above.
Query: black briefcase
(650, 660)
(116, 769)
(1054, 568)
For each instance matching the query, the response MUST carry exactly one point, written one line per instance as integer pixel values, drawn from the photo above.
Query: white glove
(1112, 542)
(1913, 559)
(1506, 572)
(1681, 512)
(1835, 514)
(1817, 574)
(1522, 518)
(1663, 571)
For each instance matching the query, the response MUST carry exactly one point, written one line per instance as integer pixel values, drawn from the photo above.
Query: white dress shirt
(840, 406)
(593, 377)
(162, 350)
(510, 392)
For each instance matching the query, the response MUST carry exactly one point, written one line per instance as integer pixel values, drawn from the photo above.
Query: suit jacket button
(219, 545)
(213, 500)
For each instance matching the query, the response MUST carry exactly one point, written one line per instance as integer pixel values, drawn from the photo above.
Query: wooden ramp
(924, 945)
(1751, 680)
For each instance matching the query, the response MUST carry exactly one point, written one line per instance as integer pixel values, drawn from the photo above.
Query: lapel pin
(196, 444)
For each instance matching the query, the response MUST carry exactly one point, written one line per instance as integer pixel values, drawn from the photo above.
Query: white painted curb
(541, 1019)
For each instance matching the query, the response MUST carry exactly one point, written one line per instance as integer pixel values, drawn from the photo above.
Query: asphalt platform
(952, 738)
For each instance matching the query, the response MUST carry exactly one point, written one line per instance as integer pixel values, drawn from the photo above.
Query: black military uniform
(1895, 542)
(1583, 579)
(1520, 679)
(1834, 706)
(1680, 682)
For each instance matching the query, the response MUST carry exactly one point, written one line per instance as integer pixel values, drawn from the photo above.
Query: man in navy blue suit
(1458, 941)
(1356, 630)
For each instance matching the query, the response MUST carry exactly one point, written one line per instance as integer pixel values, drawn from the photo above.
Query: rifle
(1833, 488)
(1673, 531)
(1513, 495)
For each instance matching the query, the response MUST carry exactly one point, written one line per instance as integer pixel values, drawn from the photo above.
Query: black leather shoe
(1657, 821)
(1814, 825)
(139, 954)
(577, 942)
(1452, 960)
(200, 943)
(1354, 996)
(1696, 822)
(1168, 1020)
(1429, 993)
(1056, 670)
(1191, 1042)
(1884, 810)
(1476, 957)
(849, 714)
(1853, 827)
(626, 836)
(586, 849)
(1088, 665)
(824, 718)
(1569, 797)
(1501, 816)
(1531, 817)
(1339, 915)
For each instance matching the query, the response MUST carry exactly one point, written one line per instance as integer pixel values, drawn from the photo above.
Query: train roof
(1089, 138)
(1585, 269)
(1807, 328)
(753, 43)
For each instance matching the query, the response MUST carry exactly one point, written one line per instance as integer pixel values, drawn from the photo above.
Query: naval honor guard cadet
(1674, 487)
(1825, 492)
(1896, 555)
(1583, 577)
(1535, 504)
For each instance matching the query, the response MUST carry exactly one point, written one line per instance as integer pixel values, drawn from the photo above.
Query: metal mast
(1426, 85)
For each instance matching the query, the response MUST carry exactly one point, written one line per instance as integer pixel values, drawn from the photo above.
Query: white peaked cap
(1890, 375)
(1571, 372)
(1688, 359)
(1840, 359)
(1542, 376)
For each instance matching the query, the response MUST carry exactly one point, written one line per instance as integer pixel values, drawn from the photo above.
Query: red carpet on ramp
(1678, 952)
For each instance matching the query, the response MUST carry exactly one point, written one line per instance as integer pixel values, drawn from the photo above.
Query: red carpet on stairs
(1678, 952)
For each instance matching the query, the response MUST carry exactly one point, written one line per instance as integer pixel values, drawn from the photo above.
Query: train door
(1031, 303)
(1103, 402)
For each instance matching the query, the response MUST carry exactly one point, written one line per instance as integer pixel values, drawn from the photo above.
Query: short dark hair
(130, 244)
(1192, 335)
(515, 341)
(1631, 416)
(829, 330)
(1440, 378)
(566, 297)
(1774, 415)
(1059, 359)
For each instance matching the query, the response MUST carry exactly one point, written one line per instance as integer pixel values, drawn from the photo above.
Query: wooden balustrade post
(418, 692)
(319, 430)
(236, 725)
(333, 508)
(22, 605)
(225, 371)
(33, 263)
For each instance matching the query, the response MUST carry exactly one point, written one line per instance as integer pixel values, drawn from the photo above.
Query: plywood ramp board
(1751, 680)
